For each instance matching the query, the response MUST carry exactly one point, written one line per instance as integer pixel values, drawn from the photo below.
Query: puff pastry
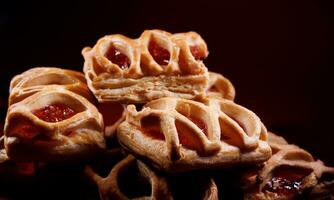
(10, 168)
(219, 87)
(128, 179)
(53, 124)
(180, 135)
(36, 79)
(289, 174)
(157, 64)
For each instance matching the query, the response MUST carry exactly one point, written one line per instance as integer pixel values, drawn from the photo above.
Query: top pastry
(157, 64)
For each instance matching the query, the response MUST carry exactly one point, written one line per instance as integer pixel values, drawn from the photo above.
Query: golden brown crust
(289, 156)
(183, 135)
(109, 186)
(219, 87)
(77, 137)
(143, 78)
(36, 79)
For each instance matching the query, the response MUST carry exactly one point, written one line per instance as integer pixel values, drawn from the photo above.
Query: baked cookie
(157, 64)
(36, 79)
(291, 173)
(53, 124)
(178, 135)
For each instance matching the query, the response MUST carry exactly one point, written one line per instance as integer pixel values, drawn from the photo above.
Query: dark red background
(278, 54)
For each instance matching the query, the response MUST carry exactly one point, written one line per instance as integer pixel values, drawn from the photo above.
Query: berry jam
(159, 54)
(118, 58)
(54, 112)
(151, 127)
(287, 180)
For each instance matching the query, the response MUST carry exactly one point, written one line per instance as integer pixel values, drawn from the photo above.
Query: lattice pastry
(289, 174)
(181, 135)
(36, 79)
(53, 124)
(157, 64)
(128, 179)
(10, 168)
(220, 87)
(118, 176)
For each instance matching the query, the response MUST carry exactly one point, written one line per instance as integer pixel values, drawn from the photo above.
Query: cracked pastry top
(177, 135)
(157, 64)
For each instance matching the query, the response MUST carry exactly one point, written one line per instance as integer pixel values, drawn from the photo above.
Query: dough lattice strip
(180, 135)
(157, 64)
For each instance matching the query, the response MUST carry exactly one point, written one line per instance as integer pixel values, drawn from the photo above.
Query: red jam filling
(200, 123)
(151, 127)
(118, 58)
(111, 112)
(197, 52)
(287, 180)
(54, 112)
(159, 54)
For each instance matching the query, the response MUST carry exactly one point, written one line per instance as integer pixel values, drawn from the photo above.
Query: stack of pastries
(149, 121)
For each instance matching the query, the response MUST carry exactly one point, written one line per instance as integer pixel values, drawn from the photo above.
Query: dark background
(278, 54)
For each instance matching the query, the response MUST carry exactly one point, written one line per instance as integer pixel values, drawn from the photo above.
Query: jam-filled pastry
(128, 179)
(180, 135)
(36, 79)
(157, 64)
(8, 167)
(220, 87)
(291, 173)
(53, 124)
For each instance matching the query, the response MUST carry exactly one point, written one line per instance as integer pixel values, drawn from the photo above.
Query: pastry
(195, 186)
(120, 176)
(219, 87)
(157, 64)
(53, 124)
(36, 79)
(129, 179)
(10, 168)
(177, 135)
(291, 173)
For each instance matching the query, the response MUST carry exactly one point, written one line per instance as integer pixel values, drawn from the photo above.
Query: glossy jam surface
(54, 112)
(197, 52)
(200, 123)
(287, 180)
(117, 57)
(151, 127)
(159, 54)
